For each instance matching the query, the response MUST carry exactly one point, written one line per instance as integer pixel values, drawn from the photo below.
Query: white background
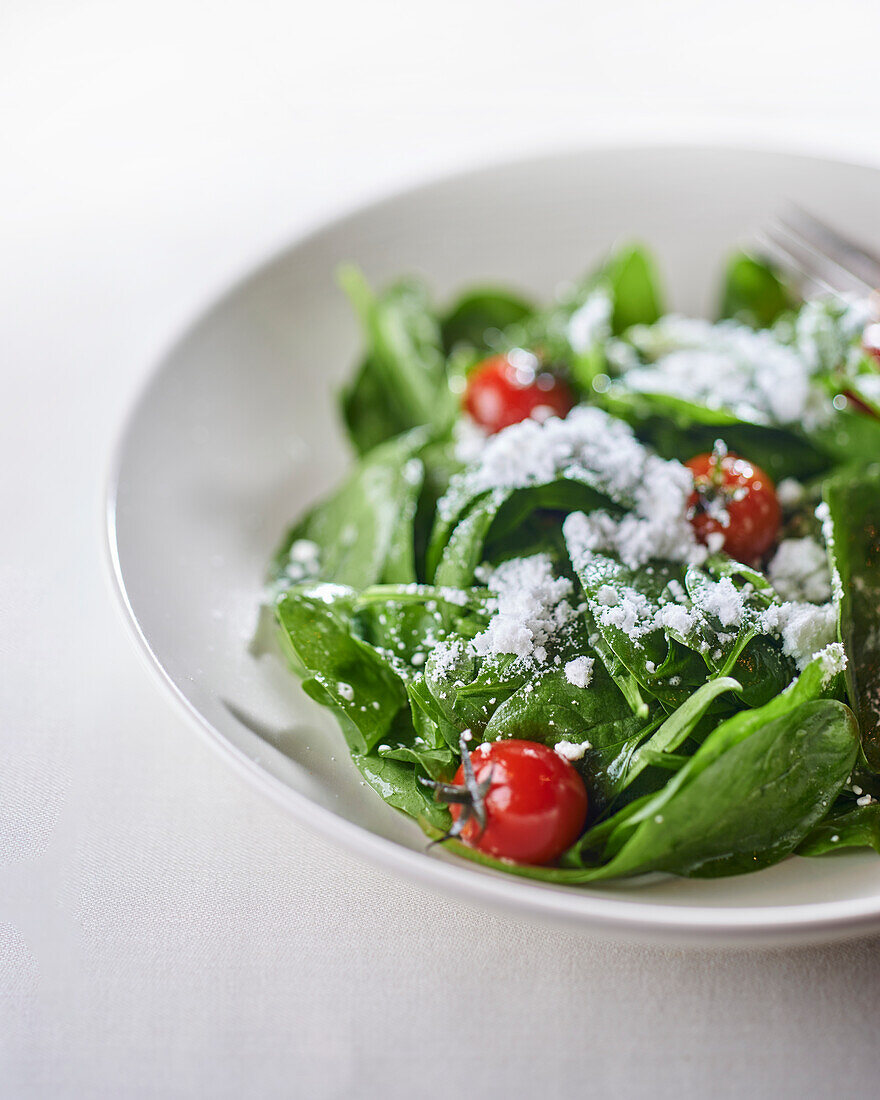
(165, 931)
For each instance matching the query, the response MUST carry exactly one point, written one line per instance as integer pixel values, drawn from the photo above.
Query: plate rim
(612, 917)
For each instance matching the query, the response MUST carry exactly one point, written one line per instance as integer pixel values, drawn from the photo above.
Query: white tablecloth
(164, 930)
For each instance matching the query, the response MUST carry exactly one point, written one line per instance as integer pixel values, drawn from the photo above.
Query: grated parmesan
(804, 628)
(722, 366)
(579, 672)
(590, 324)
(602, 452)
(799, 571)
(570, 751)
(530, 607)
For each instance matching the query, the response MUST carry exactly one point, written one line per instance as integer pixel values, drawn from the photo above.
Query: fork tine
(806, 278)
(856, 257)
(817, 261)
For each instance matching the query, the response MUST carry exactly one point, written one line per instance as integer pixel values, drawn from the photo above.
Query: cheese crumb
(590, 324)
(570, 751)
(531, 607)
(579, 672)
(596, 449)
(799, 571)
(804, 628)
(722, 366)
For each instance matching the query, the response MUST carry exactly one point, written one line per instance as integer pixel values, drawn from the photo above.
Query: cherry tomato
(535, 806)
(735, 499)
(509, 388)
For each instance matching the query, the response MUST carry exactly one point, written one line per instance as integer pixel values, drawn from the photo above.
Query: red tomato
(736, 499)
(509, 388)
(535, 805)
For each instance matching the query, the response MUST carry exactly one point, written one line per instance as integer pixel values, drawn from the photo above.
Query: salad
(601, 593)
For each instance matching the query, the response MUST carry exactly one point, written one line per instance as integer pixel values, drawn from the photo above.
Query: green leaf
(364, 531)
(753, 292)
(849, 827)
(635, 288)
(340, 670)
(398, 784)
(549, 709)
(468, 689)
(402, 382)
(680, 724)
(854, 507)
(753, 804)
(482, 311)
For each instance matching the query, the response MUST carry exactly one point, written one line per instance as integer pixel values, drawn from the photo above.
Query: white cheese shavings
(469, 439)
(600, 451)
(833, 660)
(303, 560)
(568, 750)
(723, 366)
(804, 628)
(445, 656)
(723, 600)
(530, 607)
(579, 672)
(632, 612)
(823, 515)
(590, 324)
(799, 571)
(789, 492)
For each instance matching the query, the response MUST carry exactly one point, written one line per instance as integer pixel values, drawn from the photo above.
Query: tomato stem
(470, 795)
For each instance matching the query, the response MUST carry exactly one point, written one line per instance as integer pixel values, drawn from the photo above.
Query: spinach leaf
(811, 684)
(548, 708)
(364, 531)
(753, 804)
(635, 288)
(481, 314)
(468, 689)
(486, 524)
(848, 827)
(405, 622)
(402, 382)
(854, 511)
(679, 725)
(624, 291)
(753, 292)
(624, 604)
(398, 784)
(340, 670)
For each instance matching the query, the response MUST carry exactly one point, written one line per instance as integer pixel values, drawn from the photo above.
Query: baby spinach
(851, 826)
(363, 533)
(754, 293)
(478, 318)
(752, 805)
(340, 670)
(854, 512)
(635, 288)
(403, 377)
(398, 784)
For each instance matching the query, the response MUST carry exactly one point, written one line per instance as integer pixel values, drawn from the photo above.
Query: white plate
(237, 432)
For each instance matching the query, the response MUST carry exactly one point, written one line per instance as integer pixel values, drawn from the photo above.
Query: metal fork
(822, 260)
